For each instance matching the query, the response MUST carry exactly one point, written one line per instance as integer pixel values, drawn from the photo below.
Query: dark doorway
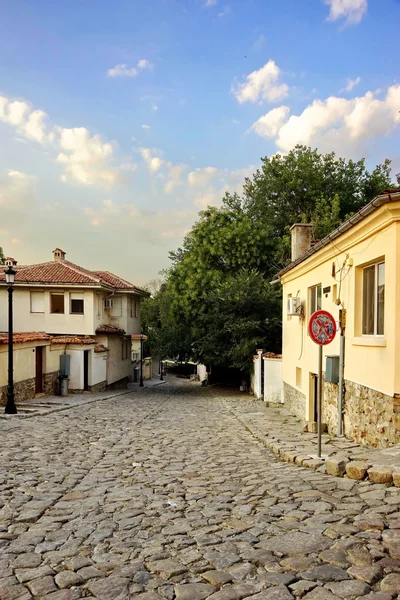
(39, 370)
(315, 395)
(86, 370)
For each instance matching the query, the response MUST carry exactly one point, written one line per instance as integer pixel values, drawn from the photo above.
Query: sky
(120, 121)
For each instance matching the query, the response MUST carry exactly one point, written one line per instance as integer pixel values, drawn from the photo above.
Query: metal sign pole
(319, 415)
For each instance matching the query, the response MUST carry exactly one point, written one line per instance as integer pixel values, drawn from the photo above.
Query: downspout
(342, 319)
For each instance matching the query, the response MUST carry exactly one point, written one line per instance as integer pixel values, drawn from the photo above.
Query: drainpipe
(342, 319)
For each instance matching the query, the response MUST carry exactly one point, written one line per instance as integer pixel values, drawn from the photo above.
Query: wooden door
(39, 370)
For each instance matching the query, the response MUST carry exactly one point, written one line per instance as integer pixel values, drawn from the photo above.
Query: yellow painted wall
(370, 361)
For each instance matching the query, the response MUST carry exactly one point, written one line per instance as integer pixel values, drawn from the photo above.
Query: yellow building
(355, 268)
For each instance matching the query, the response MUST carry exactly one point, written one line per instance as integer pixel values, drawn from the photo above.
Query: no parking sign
(322, 328)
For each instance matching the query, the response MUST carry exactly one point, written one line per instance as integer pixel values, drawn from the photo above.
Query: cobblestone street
(166, 494)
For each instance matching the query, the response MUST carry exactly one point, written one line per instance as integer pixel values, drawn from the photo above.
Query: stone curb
(337, 465)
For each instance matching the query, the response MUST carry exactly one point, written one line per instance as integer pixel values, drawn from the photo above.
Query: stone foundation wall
(51, 383)
(329, 405)
(98, 387)
(23, 390)
(119, 385)
(294, 401)
(371, 417)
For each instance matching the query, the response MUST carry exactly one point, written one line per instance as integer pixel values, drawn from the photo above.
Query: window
(76, 304)
(298, 377)
(126, 347)
(37, 302)
(57, 303)
(315, 294)
(373, 314)
(134, 308)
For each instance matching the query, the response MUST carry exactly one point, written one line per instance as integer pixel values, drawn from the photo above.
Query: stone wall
(294, 401)
(23, 390)
(98, 387)
(119, 385)
(371, 417)
(51, 383)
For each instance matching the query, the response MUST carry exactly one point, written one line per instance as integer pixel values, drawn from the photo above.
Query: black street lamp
(161, 371)
(10, 409)
(141, 359)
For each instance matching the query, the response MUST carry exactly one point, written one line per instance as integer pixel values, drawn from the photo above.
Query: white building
(93, 313)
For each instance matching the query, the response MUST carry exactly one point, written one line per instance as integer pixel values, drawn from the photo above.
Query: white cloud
(261, 85)
(152, 158)
(335, 123)
(350, 10)
(146, 126)
(225, 12)
(86, 158)
(351, 84)
(17, 189)
(260, 42)
(122, 70)
(154, 107)
(210, 3)
(145, 64)
(269, 124)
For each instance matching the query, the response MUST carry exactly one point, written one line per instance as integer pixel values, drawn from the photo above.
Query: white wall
(76, 380)
(25, 320)
(97, 367)
(117, 368)
(257, 374)
(202, 372)
(273, 384)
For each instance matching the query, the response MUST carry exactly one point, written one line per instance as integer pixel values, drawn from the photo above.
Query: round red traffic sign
(322, 327)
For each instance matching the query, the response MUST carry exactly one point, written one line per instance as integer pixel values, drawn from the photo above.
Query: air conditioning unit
(294, 306)
(108, 303)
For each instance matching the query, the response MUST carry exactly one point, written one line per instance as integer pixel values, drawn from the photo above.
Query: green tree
(1, 256)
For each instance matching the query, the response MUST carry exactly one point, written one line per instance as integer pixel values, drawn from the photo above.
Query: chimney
(10, 262)
(58, 254)
(301, 239)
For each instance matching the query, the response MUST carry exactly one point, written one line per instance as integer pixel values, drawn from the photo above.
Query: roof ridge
(117, 277)
(81, 270)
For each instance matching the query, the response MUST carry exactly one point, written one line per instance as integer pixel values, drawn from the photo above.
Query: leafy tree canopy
(216, 304)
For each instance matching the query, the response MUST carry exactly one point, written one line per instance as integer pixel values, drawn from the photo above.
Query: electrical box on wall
(332, 369)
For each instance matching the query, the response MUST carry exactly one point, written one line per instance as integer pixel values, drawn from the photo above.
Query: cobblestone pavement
(165, 494)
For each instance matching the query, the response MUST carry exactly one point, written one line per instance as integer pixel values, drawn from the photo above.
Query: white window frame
(375, 333)
(313, 290)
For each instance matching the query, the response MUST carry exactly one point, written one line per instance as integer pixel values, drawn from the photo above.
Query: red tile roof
(21, 338)
(80, 340)
(109, 329)
(100, 348)
(61, 272)
(136, 336)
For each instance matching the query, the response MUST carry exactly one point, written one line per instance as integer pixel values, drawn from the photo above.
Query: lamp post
(141, 359)
(161, 371)
(10, 409)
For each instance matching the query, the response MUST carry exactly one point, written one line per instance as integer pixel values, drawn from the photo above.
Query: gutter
(384, 198)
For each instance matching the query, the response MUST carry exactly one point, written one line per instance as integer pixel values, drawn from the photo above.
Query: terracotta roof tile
(118, 282)
(79, 340)
(100, 348)
(22, 337)
(136, 336)
(109, 329)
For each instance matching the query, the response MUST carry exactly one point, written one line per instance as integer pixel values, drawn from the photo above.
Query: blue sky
(119, 122)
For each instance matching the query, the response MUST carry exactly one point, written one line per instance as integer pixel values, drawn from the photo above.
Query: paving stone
(15, 592)
(297, 544)
(300, 588)
(24, 575)
(27, 561)
(325, 573)
(391, 583)
(167, 568)
(63, 595)
(336, 465)
(370, 574)
(110, 588)
(297, 563)
(335, 557)
(274, 593)
(320, 593)
(217, 578)
(89, 573)
(42, 586)
(377, 596)
(193, 591)
(77, 562)
(359, 556)
(357, 469)
(237, 591)
(148, 596)
(278, 578)
(67, 579)
(378, 474)
(348, 589)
